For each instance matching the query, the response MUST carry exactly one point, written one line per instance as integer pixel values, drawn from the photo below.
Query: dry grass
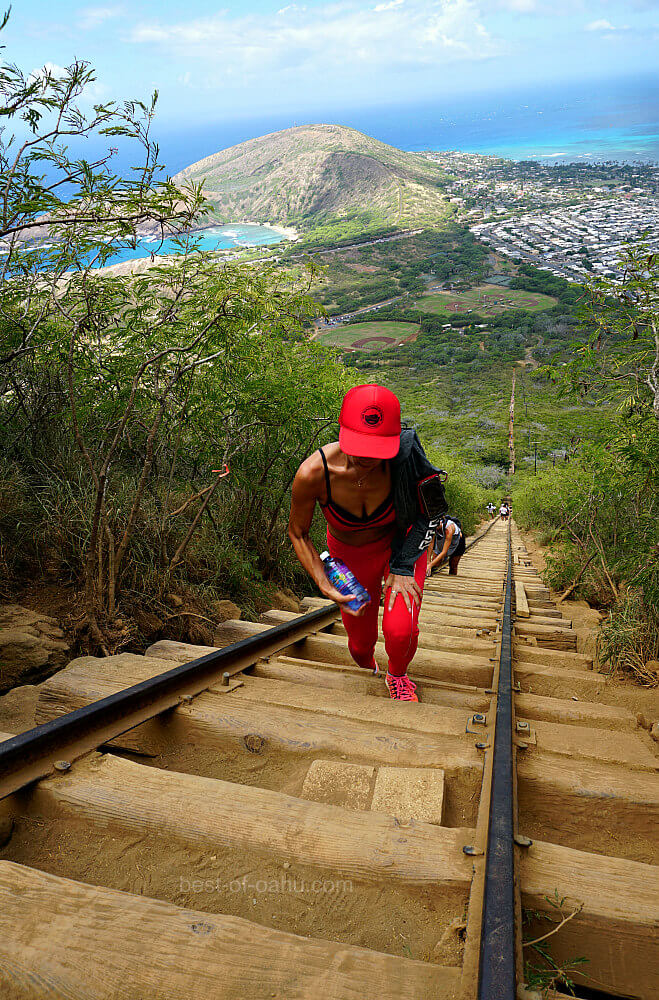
(629, 639)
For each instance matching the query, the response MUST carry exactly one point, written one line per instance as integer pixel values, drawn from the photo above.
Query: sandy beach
(287, 231)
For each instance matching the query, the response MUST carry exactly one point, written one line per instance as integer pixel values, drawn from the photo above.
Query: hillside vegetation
(314, 173)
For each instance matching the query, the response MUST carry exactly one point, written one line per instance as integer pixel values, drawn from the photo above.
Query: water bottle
(344, 581)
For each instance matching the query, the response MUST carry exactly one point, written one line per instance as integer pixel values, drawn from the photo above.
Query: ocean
(237, 235)
(592, 121)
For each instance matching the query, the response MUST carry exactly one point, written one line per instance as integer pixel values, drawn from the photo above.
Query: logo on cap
(372, 416)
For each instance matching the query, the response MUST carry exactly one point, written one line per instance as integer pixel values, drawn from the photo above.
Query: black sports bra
(338, 517)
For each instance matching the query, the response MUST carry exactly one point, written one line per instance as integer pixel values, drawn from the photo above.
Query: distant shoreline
(288, 232)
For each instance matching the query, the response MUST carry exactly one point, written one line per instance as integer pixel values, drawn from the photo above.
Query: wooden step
(346, 677)
(553, 636)
(521, 603)
(345, 705)
(464, 668)
(579, 713)
(210, 814)
(634, 750)
(60, 938)
(524, 652)
(617, 927)
(428, 638)
(589, 805)
(553, 682)
(215, 723)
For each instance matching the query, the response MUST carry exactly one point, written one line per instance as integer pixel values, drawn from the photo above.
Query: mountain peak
(313, 172)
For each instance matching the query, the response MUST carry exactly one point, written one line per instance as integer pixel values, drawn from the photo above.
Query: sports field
(486, 300)
(369, 336)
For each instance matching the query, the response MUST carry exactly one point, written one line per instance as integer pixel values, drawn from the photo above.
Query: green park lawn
(486, 300)
(372, 336)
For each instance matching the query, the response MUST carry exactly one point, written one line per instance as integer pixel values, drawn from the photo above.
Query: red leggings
(370, 564)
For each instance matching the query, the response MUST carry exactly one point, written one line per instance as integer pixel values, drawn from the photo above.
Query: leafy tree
(124, 394)
(60, 212)
(603, 507)
(621, 355)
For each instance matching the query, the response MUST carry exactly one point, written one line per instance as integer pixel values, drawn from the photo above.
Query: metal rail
(38, 752)
(497, 967)
(482, 535)
(474, 541)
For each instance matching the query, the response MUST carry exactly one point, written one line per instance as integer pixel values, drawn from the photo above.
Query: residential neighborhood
(570, 219)
(571, 242)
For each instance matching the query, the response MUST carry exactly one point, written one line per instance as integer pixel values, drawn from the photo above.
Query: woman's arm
(441, 556)
(303, 501)
(431, 552)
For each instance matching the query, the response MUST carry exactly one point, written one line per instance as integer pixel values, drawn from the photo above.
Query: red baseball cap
(369, 422)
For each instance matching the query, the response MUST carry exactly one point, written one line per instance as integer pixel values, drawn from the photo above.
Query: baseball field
(486, 300)
(372, 336)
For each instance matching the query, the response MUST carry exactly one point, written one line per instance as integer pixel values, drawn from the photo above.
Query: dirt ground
(621, 690)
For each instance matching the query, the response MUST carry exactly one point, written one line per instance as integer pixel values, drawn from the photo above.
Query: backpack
(432, 498)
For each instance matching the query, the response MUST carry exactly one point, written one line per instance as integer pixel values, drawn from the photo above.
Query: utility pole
(535, 458)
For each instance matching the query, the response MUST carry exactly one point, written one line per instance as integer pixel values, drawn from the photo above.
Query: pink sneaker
(401, 688)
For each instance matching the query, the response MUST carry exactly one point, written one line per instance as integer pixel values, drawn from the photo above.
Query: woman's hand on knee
(405, 585)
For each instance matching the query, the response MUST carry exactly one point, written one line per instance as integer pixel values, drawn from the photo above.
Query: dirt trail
(621, 690)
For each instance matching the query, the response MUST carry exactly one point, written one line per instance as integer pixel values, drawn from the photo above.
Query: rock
(652, 667)
(345, 785)
(148, 622)
(32, 646)
(224, 611)
(199, 634)
(285, 601)
(17, 709)
(654, 732)
(6, 829)
(175, 600)
(410, 793)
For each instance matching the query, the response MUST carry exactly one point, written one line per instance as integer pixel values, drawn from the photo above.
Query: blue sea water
(585, 121)
(213, 238)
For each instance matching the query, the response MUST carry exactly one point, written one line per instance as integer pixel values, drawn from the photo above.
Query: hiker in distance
(449, 542)
(381, 498)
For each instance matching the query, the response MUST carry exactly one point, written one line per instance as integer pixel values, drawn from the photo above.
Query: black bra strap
(327, 479)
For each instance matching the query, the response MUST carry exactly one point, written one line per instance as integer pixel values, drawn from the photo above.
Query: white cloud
(388, 6)
(521, 6)
(92, 17)
(343, 38)
(48, 69)
(602, 25)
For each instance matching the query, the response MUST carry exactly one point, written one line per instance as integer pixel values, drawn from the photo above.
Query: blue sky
(216, 62)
